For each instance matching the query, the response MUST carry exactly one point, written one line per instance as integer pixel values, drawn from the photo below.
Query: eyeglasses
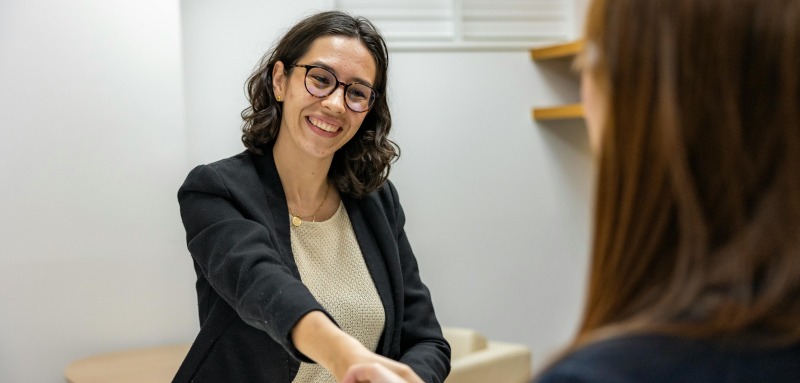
(321, 83)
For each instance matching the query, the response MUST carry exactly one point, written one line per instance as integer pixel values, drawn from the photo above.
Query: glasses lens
(320, 82)
(359, 97)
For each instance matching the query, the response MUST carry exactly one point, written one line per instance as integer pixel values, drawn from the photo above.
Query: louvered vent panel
(465, 23)
(514, 20)
(406, 20)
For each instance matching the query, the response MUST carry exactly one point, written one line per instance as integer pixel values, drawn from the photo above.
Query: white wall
(92, 257)
(497, 205)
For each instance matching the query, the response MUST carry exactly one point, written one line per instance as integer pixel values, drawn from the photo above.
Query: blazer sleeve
(239, 259)
(422, 344)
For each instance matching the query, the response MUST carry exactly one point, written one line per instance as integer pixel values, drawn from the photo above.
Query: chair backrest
(463, 341)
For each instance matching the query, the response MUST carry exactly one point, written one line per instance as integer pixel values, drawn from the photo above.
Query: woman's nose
(335, 101)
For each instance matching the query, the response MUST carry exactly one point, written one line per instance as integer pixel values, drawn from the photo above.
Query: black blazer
(249, 290)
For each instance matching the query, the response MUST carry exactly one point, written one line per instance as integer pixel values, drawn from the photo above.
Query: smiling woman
(303, 266)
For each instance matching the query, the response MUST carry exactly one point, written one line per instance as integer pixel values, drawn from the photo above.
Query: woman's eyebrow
(356, 80)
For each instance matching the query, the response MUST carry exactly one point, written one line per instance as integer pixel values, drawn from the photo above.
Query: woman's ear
(278, 80)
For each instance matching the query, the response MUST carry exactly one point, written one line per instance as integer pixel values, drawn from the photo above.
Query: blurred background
(106, 105)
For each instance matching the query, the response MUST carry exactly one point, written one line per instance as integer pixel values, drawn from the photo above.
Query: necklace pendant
(296, 221)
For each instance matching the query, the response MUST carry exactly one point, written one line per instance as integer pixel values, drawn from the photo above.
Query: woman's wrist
(318, 338)
(346, 351)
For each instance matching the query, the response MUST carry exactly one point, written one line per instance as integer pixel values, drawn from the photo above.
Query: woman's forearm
(318, 338)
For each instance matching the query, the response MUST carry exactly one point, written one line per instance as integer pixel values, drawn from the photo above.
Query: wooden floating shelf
(557, 51)
(563, 112)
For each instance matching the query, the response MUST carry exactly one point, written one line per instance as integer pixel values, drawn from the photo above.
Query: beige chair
(475, 360)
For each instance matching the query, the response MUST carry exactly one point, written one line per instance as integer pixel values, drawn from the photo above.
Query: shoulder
(233, 166)
(380, 207)
(233, 177)
(619, 360)
(661, 359)
(238, 167)
(385, 194)
(385, 198)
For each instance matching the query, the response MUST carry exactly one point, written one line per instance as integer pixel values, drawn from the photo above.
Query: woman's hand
(378, 373)
(375, 368)
(318, 338)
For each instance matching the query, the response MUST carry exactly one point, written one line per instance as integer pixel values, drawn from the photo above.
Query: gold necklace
(298, 220)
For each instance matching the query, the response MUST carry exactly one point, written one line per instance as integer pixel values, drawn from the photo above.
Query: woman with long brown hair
(693, 111)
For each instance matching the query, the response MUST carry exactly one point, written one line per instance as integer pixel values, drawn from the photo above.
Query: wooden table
(147, 365)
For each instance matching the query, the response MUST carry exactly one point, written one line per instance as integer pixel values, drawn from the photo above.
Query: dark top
(249, 290)
(662, 359)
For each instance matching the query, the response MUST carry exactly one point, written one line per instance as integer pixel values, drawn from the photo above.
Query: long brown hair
(697, 208)
(364, 162)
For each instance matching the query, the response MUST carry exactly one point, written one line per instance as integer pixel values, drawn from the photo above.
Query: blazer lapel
(275, 204)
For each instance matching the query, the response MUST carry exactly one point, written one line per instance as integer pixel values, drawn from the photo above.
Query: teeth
(323, 125)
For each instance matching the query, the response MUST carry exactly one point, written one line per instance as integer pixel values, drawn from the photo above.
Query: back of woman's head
(697, 221)
(363, 164)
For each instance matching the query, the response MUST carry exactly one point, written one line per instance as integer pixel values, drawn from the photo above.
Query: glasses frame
(308, 68)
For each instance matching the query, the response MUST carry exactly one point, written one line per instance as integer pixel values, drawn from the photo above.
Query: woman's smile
(324, 128)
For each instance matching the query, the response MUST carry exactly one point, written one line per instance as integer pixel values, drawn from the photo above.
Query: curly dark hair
(363, 163)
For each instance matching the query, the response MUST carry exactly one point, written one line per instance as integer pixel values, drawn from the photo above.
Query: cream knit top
(332, 267)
